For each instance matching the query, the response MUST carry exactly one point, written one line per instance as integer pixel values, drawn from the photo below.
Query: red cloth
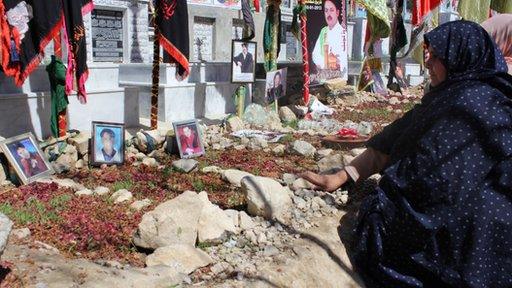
(37, 167)
(257, 5)
(421, 8)
(189, 145)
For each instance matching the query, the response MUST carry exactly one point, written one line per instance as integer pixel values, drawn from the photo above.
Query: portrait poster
(231, 4)
(378, 84)
(370, 79)
(327, 40)
(243, 61)
(26, 158)
(107, 143)
(275, 86)
(188, 137)
(203, 2)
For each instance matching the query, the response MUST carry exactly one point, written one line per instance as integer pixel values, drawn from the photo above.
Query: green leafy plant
(167, 171)
(23, 217)
(58, 202)
(256, 171)
(286, 139)
(294, 124)
(203, 245)
(6, 209)
(198, 185)
(126, 184)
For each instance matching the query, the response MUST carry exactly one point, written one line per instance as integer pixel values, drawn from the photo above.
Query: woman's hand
(327, 183)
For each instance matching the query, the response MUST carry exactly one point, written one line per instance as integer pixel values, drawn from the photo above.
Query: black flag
(172, 21)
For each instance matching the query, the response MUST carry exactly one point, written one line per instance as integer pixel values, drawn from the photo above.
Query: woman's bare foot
(329, 182)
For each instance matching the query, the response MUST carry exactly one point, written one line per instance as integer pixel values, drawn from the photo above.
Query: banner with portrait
(327, 40)
(231, 4)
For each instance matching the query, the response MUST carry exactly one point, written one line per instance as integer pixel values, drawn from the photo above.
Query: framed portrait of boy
(275, 86)
(107, 145)
(188, 138)
(243, 61)
(27, 159)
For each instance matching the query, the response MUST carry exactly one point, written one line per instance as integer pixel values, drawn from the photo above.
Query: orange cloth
(500, 29)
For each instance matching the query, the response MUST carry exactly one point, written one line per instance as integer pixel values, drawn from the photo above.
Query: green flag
(57, 74)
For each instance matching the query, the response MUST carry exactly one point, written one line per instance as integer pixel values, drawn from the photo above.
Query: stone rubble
(185, 165)
(5, 230)
(121, 196)
(189, 232)
(303, 148)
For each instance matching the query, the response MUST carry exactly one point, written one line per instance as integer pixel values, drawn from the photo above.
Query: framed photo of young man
(243, 61)
(275, 85)
(25, 156)
(188, 137)
(107, 146)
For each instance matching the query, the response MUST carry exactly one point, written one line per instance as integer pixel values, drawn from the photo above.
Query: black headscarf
(441, 214)
(469, 53)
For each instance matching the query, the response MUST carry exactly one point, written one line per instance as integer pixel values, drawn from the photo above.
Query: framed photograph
(188, 137)
(243, 61)
(107, 145)
(378, 84)
(26, 157)
(275, 86)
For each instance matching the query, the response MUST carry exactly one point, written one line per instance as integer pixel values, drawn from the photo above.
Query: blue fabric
(442, 214)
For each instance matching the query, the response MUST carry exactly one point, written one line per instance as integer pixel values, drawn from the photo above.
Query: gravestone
(107, 35)
(203, 39)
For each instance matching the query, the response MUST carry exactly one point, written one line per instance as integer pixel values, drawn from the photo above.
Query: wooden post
(305, 58)
(156, 78)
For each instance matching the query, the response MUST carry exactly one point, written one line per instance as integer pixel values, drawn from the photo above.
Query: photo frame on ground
(26, 157)
(275, 86)
(243, 61)
(188, 138)
(107, 144)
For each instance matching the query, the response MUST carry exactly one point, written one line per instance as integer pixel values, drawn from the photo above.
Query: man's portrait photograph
(188, 138)
(107, 143)
(243, 61)
(328, 41)
(275, 85)
(26, 158)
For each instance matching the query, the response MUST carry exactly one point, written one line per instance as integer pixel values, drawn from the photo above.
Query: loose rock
(172, 222)
(286, 114)
(141, 204)
(279, 149)
(5, 230)
(101, 190)
(303, 148)
(150, 162)
(84, 192)
(330, 163)
(185, 165)
(21, 233)
(357, 151)
(214, 224)
(182, 257)
(246, 221)
(323, 153)
(81, 142)
(122, 195)
(301, 184)
(234, 124)
(212, 169)
(266, 197)
(68, 183)
(234, 176)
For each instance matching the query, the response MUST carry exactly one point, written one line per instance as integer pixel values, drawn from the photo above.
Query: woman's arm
(366, 164)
